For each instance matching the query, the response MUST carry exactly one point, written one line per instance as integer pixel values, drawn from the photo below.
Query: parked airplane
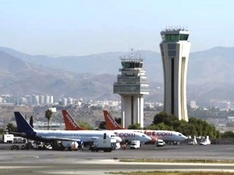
(50, 136)
(169, 136)
(126, 135)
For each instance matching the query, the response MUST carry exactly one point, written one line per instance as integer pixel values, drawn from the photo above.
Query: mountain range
(210, 75)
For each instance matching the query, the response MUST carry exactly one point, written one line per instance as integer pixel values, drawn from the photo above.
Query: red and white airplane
(164, 135)
(125, 135)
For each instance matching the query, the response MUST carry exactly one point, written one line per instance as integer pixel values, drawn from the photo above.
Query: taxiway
(38, 162)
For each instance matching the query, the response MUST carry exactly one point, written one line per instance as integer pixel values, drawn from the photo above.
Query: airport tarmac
(38, 162)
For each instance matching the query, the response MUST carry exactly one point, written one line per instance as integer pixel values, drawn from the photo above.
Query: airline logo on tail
(70, 123)
(110, 122)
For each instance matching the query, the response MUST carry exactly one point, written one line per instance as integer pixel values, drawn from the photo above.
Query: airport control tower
(131, 85)
(175, 49)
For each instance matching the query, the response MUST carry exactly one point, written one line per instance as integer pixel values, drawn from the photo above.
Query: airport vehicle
(19, 140)
(71, 145)
(8, 138)
(107, 144)
(160, 143)
(135, 144)
(36, 145)
(192, 141)
(31, 145)
(49, 136)
(125, 135)
(165, 135)
(206, 141)
(15, 147)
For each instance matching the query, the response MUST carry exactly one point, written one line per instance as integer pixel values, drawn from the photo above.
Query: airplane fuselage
(131, 135)
(164, 135)
(83, 135)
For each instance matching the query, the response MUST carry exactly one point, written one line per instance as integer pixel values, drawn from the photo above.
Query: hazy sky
(82, 27)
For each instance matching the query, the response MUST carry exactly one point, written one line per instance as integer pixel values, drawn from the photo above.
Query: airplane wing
(48, 138)
(53, 138)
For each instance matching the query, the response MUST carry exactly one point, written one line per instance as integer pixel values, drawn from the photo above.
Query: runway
(38, 162)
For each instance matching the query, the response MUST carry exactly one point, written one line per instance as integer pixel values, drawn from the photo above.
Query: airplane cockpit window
(143, 135)
(179, 135)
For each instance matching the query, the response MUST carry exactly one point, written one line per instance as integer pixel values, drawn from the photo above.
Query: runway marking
(110, 172)
(26, 156)
(16, 167)
(111, 161)
(71, 172)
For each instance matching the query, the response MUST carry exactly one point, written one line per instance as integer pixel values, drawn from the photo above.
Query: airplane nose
(148, 138)
(154, 139)
(183, 137)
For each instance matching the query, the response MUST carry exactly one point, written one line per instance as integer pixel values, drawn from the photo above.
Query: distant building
(47, 99)
(35, 100)
(193, 105)
(51, 99)
(230, 118)
(41, 99)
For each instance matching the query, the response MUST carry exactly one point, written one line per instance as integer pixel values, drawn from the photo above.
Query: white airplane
(164, 135)
(26, 131)
(126, 135)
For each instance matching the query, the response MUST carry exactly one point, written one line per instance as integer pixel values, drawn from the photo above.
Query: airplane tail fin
(70, 123)
(22, 124)
(110, 122)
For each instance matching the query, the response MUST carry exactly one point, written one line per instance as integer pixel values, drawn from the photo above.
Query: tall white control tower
(131, 85)
(175, 49)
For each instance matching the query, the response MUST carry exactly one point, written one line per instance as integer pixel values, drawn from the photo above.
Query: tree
(1, 130)
(102, 125)
(165, 118)
(11, 127)
(228, 134)
(134, 126)
(48, 115)
(198, 127)
(85, 125)
(31, 121)
(118, 120)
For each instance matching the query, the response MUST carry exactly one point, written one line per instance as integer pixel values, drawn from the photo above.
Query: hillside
(210, 75)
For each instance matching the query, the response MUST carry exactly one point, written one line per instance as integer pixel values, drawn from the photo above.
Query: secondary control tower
(131, 85)
(175, 49)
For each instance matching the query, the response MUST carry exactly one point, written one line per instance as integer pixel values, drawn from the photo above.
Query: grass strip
(179, 160)
(172, 173)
